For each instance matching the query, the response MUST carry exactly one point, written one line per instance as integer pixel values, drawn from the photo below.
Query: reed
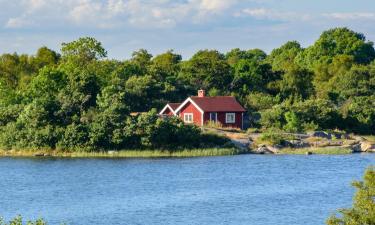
(124, 153)
(319, 151)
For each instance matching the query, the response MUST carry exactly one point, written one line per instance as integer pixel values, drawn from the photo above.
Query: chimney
(201, 93)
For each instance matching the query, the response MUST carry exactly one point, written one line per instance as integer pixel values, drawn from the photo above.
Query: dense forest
(79, 99)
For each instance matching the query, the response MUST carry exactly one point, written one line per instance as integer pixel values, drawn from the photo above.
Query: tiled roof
(174, 106)
(218, 104)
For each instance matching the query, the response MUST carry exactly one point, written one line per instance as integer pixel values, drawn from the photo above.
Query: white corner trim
(202, 119)
(185, 102)
(167, 106)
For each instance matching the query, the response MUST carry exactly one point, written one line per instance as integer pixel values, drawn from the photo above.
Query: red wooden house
(201, 109)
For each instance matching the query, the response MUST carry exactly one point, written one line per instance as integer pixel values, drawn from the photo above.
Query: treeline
(78, 98)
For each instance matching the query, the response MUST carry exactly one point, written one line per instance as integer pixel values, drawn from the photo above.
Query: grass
(320, 151)
(370, 138)
(125, 153)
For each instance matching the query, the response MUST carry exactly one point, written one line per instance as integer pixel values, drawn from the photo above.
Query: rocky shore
(317, 140)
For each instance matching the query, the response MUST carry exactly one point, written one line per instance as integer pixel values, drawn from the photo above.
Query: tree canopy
(80, 99)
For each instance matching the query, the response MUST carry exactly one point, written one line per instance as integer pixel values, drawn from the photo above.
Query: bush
(19, 221)
(271, 137)
(363, 210)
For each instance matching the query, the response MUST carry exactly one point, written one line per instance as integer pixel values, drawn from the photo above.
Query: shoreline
(147, 153)
(186, 153)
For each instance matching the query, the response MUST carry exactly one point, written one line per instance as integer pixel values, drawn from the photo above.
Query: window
(230, 118)
(188, 117)
(213, 116)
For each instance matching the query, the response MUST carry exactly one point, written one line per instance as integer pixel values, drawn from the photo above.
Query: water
(247, 189)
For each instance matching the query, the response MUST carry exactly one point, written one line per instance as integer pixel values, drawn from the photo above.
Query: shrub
(363, 210)
(19, 221)
(271, 137)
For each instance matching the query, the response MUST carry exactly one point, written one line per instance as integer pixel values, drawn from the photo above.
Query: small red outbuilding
(201, 109)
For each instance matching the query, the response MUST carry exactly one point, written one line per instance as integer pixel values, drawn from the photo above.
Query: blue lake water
(246, 189)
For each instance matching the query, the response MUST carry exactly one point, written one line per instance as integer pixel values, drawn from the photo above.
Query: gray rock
(322, 134)
(298, 144)
(262, 150)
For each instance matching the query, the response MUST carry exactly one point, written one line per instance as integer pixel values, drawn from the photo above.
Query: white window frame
(229, 115)
(187, 119)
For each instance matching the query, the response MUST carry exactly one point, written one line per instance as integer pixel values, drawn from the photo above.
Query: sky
(186, 26)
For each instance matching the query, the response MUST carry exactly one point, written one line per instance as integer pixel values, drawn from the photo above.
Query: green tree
(283, 58)
(363, 209)
(83, 50)
(338, 41)
(207, 69)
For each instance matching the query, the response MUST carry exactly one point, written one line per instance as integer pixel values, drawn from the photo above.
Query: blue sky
(186, 26)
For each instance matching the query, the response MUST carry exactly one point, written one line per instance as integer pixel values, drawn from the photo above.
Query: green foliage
(363, 209)
(293, 123)
(207, 69)
(83, 50)
(19, 221)
(82, 101)
(283, 58)
(338, 41)
(271, 137)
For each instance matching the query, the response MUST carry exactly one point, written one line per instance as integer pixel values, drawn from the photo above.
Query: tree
(250, 75)
(283, 58)
(237, 54)
(207, 69)
(363, 210)
(142, 59)
(45, 57)
(296, 82)
(338, 41)
(83, 50)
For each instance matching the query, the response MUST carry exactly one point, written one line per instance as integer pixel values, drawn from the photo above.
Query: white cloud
(351, 16)
(117, 13)
(216, 5)
(17, 22)
(271, 14)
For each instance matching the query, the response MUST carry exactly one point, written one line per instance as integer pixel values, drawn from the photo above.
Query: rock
(47, 155)
(322, 134)
(367, 146)
(337, 135)
(262, 150)
(308, 153)
(355, 147)
(359, 138)
(298, 144)
(274, 149)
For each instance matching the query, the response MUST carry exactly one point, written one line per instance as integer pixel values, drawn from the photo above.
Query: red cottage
(201, 109)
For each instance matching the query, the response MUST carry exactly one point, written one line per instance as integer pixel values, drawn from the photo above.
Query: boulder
(274, 149)
(355, 147)
(367, 146)
(322, 134)
(262, 150)
(298, 144)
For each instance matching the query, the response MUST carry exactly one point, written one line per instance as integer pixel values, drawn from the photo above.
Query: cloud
(118, 13)
(216, 5)
(17, 22)
(351, 16)
(271, 14)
